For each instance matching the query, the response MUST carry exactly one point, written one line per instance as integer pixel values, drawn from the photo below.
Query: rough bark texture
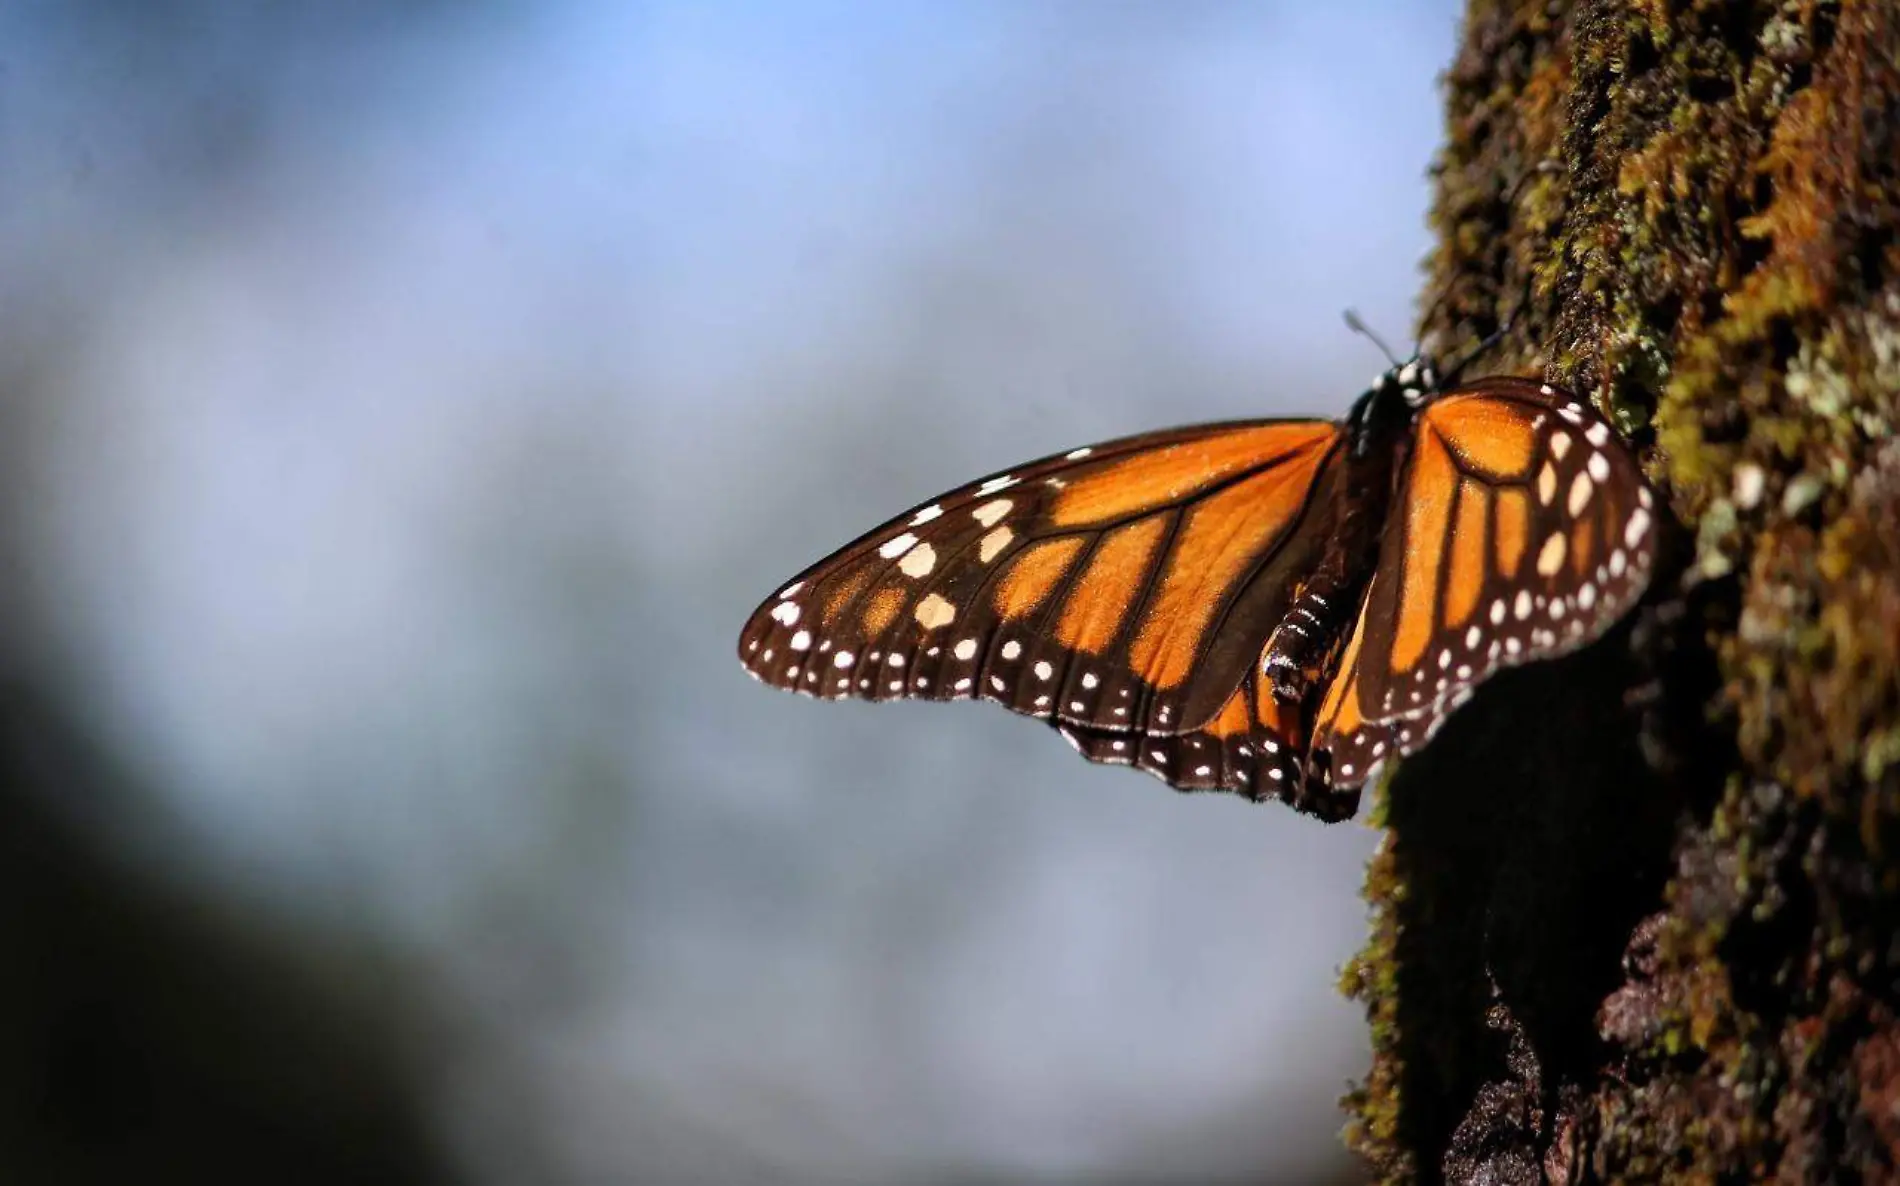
(1639, 919)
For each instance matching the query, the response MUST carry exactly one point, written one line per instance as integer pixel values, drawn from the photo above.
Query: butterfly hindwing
(1122, 591)
(1521, 529)
(1255, 746)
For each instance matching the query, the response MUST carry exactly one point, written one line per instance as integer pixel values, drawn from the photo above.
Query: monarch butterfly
(1271, 607)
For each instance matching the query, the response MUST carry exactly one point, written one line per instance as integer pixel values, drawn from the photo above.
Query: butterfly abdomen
(1300, 647)
(1304, 647)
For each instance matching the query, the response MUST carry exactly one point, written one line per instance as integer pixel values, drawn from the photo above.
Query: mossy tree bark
(1640, 918)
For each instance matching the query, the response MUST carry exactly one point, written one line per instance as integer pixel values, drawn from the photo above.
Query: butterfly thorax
(1305, 645)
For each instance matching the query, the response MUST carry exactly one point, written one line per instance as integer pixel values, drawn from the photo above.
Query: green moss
(1716, 263)
(1373, 1107)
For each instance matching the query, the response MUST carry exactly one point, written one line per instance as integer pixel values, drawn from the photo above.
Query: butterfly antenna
(1477, 351)
(1509, 321)
(1359, 327)
(1503, 331)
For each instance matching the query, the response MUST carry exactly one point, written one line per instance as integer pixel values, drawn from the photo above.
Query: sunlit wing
(1521, 529)
(1121, 592)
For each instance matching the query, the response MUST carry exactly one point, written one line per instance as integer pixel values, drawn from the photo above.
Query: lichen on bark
(1664, 944)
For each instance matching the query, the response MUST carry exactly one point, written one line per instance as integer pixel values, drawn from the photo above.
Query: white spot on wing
(896, 546)
(1638, 524)
(1580, 490)
(1551, 556)
(965, 650)
(918, 561)
(995, 484)
(991, 511)
(926, 515)
(934, 613)
(993, 543)
(1078, 454)
(1012, 648)
(801, 640)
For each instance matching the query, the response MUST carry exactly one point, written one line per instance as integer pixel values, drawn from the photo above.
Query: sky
(416, 399)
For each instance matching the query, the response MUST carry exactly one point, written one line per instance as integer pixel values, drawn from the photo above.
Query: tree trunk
(1637, 918)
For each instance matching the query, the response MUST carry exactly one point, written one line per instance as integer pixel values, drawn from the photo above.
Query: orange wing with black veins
(1121, 592)
(1522, 529)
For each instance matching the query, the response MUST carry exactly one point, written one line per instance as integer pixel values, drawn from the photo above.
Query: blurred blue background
(405, 404)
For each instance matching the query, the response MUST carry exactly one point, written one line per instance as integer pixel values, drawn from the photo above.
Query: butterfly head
(1415, 381)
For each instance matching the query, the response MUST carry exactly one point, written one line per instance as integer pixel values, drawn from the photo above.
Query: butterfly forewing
(1122, 590)
(1521, 529)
